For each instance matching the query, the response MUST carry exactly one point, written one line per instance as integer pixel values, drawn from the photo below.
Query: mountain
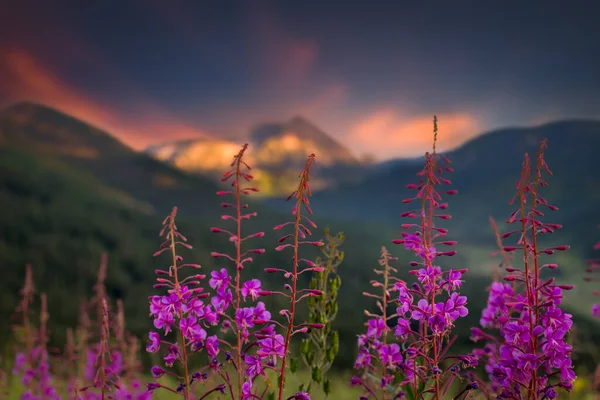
(51, 133)
(280, 144)
(278, 153)
(487, 169)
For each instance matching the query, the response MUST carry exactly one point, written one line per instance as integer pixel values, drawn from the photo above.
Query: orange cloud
(386, 134)
(25, 78)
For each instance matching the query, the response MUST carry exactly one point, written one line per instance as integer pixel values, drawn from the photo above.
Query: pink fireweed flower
(246, 323)
(531, 357)
(423, 349)
(219, 279)
(251, 288)
(181, 310)
(376, 328)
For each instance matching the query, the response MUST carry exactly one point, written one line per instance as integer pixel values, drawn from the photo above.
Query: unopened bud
(566, 287)
(447, 253)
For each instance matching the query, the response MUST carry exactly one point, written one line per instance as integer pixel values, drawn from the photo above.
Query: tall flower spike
(242, 319)
(436, 320)
(298, 237)
(379, 361)
(32, 363)
(531, 358)
(180, 310)
(498, 304)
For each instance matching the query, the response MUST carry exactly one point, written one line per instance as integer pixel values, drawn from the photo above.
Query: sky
(370, 73)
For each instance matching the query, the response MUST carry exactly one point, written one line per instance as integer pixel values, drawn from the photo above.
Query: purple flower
(428, 276)
(516, 333)
(219, 279)
(212, 346)
(247, 390)
(363, 359)
(157, 372)
(376, 328)
(405, 299)
(301, 396)
(273, 346)
(412, 242)
(390, 355)
(251, 288)
(222, 300)
(196, 306)
(172, 355)
(457, 308)
(164, 321)
(245, 317)
(453, 280)
(254, 366)
(422, 310)
(261, 313)
(402, 329)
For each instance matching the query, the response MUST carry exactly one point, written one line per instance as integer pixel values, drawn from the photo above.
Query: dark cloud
(356, 68)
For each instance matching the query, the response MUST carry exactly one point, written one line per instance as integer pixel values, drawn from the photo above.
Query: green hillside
(486, 171)
(63, 206)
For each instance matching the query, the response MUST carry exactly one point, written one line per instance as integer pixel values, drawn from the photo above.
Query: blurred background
(113, 112)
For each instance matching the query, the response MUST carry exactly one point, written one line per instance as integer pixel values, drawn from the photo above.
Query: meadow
(229, 326)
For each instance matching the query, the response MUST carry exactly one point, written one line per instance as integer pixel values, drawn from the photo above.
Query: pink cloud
(26, 78)
(386, 134)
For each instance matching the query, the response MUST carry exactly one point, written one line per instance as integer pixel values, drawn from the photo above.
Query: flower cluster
(32, 362)
(231, 304)
(182, 311)
(438, 303)
(257, 346)
(530, 358)
(34, 366)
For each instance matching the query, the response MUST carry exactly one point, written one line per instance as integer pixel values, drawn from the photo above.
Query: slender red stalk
(184, 356)
(302, 198)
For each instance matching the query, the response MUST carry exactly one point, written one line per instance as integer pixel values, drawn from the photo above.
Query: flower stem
(184, 360)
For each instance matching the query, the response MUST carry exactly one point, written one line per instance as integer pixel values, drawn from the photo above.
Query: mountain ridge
(279, 151)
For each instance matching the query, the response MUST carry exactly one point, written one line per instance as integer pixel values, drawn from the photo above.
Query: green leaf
(317, 376)
(293, 365)
(305, 347)
(327, 387)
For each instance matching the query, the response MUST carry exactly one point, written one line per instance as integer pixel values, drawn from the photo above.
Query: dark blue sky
(370, 73)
